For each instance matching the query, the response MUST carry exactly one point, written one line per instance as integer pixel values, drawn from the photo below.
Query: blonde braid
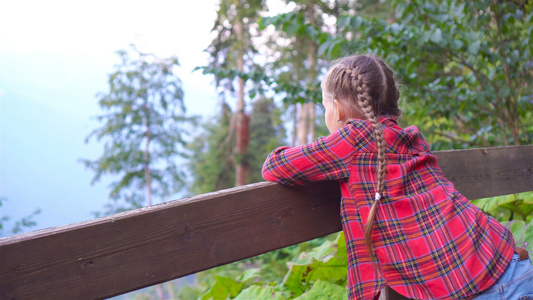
(363, 100)
(366, 84)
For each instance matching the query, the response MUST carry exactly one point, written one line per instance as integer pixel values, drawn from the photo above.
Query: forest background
(465, 70)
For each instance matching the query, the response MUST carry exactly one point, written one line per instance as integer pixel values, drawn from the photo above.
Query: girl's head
(357, 87)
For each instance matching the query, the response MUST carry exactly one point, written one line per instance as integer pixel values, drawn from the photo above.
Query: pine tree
(211, 163)
(231, 61)
(144, 130)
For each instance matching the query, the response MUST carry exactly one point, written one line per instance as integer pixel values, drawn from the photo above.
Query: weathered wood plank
(120, 253)
(489, 172)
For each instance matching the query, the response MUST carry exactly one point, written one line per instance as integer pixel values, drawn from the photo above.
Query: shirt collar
(387, 120)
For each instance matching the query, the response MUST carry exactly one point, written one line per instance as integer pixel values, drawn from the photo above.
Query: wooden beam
(116, 254)
(131, 250)
(489, 172)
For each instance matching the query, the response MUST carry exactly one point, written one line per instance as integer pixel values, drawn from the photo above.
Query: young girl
(405, 224)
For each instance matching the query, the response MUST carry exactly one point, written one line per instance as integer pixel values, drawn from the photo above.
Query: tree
(144, 129)
(211, 165)
(267, 132)
(232, 60)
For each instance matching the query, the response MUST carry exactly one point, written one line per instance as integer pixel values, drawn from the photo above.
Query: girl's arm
(328, 158)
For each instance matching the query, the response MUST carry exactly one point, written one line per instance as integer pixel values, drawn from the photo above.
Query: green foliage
(516, 212)
(326, 262)
(223, 288)
(260, 293)
(254, 73)
(509, 207)
(267, 132)
(466, 67)
(325, 290)
(232, 62)
(232, 50)
(304, 42)
(522, 233)
(144, 129)
(213, 163)
(294, 71)
(311, 270)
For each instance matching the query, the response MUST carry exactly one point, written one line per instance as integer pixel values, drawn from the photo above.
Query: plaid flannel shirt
(430, 242)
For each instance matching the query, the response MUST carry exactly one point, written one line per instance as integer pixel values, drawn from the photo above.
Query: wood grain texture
(489, 172)
(124, 252)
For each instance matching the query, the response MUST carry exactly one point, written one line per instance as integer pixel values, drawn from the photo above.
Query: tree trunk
(170, 289)
(312, 123)
(159, 291)
(303, 124)
(148, 181)
(294, 126)
(147, 176)
(241, 124)
(306, 123)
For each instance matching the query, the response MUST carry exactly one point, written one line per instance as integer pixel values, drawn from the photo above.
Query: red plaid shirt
(430, 242)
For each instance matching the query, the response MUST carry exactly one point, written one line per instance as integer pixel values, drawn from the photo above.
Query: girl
(405, 224)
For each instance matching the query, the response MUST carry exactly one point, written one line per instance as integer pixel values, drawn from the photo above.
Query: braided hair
(365, 86)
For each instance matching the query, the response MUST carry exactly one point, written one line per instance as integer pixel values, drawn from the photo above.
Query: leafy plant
(516, 212)
(313, 274)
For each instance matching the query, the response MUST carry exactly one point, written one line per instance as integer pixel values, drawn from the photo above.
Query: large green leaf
(256, 292)
(325, 290)
(223, 288)
(522, 233)
(326, 262)
(508, 207)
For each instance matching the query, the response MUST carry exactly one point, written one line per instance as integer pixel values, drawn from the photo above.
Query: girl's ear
(338, 110)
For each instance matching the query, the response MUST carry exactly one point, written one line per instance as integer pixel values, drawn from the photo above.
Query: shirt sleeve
(328, 158)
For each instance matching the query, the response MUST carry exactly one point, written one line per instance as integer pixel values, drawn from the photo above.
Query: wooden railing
(120, 253)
